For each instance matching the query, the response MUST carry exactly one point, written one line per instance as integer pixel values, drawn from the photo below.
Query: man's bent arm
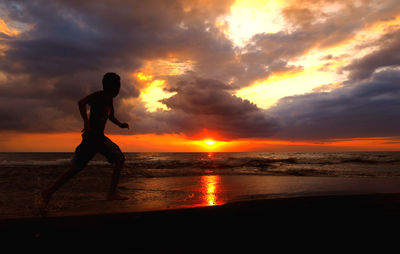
(113, 119)
(82, 109)
(116, 121)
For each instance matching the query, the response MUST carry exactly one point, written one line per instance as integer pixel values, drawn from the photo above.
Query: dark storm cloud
(35, 115)
(203, 106)
(71, 36)
(201, 96)
(368, 109)
(387, 55)
(71, 44)
(209, 104)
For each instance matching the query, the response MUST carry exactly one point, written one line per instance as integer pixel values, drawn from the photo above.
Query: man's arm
(115, 120)
(82, 109)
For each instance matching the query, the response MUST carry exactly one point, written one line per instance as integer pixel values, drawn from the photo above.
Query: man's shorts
(92, 144)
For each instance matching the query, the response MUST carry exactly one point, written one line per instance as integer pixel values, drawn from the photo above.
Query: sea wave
(211, 163)
(55, 162)
(226, 163)
(187, 164)
(150, 173)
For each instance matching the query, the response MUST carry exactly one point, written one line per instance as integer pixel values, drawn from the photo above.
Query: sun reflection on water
(209, 186)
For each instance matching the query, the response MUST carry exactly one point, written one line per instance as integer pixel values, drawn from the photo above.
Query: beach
(219, 205)
(287, 209)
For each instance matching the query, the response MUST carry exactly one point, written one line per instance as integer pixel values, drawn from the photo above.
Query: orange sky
(66, 142)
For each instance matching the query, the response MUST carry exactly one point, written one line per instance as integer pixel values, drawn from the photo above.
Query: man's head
(111, 83)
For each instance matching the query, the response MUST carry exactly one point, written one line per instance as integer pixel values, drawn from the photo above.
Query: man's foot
(116, 196)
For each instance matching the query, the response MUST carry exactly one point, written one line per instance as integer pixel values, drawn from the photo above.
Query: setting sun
(209, 142)
(207, 145)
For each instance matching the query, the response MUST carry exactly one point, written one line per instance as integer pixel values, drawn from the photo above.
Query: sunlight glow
(170, 65)
(153, 92)
(152, 95)
(153, 78)
(143, 77)
(322, 67)
(248, 18)
(209, 142)
(267, 92)
(210, 145)
(4, 28)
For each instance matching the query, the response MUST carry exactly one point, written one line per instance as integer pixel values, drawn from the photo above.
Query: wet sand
(85, 194)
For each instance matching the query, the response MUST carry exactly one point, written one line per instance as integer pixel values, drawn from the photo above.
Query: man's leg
(84, 152)
(114, 155)
(63, 179)
(113, 193)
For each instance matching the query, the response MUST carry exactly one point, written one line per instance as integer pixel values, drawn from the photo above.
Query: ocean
(174, 180)
(347, 164)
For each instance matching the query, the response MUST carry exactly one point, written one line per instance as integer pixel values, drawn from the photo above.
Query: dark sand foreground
(307, 221)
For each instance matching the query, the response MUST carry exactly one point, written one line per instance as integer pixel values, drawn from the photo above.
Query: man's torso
(100, 109)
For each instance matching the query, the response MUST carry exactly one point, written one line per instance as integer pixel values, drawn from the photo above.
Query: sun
(209, 142)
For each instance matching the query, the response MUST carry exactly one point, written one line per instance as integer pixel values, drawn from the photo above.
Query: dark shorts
(92, 144)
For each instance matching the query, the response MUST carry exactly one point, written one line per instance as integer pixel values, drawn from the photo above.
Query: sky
(309, 75)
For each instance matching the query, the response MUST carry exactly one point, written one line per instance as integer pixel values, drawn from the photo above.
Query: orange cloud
(6, 30)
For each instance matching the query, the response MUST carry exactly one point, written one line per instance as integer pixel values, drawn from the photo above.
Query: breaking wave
(226, 163)
(186, 164)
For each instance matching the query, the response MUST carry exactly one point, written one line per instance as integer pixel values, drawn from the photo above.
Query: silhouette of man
(93, 139)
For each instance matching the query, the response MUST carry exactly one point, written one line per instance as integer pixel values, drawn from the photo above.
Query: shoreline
(83, 198)
(290, 216)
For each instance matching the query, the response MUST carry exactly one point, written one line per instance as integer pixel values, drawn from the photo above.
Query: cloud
(367, 109)
(66, 46)
(386, 56)
(209, 104)
(71, 44)
(63, 57)
(315, 25)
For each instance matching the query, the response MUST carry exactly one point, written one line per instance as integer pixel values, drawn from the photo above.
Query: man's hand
(124, 125)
